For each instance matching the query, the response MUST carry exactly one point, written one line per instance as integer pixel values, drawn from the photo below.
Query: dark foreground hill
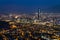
(4, 25)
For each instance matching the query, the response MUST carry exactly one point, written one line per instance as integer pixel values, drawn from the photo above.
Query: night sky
(26, 6)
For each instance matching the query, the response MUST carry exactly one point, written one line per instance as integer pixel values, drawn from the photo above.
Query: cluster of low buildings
(30, 27)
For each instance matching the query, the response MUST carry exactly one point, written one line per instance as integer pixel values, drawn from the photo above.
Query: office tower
(39, 13)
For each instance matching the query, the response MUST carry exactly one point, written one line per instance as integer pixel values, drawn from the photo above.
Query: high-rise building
(39, 13)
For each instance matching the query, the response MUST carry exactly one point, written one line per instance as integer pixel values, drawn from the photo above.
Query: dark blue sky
(27, 6)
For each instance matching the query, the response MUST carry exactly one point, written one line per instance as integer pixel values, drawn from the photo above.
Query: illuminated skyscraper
(39, 13)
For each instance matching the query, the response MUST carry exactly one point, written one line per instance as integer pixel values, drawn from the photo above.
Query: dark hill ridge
(53, 9)
(4, 25)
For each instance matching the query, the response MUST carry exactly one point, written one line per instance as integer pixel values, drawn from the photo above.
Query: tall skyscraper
(39, 13)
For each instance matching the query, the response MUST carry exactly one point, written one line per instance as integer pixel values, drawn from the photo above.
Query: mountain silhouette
(53, 9)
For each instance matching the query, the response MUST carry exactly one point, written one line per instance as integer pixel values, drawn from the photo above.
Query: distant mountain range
(53, 9)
